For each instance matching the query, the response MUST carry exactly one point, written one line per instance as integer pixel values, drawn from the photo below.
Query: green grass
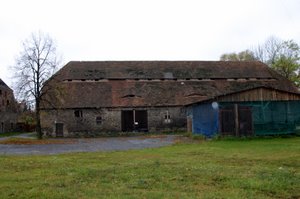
(10, 134)
(258, 168)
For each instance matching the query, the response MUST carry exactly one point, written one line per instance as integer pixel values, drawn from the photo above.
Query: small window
(99, 120)
(167, 117)
(168, 75)
(0, 92)
(7, 102)
(78, 113)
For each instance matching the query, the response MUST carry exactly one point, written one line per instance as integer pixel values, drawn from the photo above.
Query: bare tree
(268, 51)
(35, 64)
(283, 56)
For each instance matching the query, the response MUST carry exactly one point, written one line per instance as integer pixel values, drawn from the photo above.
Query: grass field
(261, 168)
(10, 134)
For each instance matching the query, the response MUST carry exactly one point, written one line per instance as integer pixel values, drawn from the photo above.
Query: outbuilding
(260, 110)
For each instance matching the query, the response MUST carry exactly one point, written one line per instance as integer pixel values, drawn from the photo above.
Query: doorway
(2, 127)
(236, 121)
(59, 129)
(134, 120)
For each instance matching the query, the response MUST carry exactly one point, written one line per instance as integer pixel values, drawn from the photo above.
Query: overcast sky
(145, 29)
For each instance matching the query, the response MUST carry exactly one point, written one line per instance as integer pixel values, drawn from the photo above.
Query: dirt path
(89, 145)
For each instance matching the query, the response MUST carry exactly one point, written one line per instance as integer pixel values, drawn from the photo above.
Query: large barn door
(236, 121)
(134, 120)
(141, 120)
(127, 121)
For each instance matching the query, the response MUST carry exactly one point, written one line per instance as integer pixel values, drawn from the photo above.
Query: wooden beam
(236, 119)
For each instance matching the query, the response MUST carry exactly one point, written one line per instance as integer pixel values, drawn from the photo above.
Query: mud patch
(28, 141)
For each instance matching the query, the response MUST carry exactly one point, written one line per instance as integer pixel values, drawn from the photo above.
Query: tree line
(281, 55)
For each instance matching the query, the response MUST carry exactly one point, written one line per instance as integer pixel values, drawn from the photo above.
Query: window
(98, 120)
(78, 113)
(7, 102)
(0, 92)
(167, 117)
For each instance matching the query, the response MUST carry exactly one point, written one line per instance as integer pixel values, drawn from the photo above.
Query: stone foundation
(108, 121)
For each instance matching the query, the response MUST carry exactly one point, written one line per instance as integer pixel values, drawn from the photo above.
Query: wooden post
(133, 116)
(236, 119)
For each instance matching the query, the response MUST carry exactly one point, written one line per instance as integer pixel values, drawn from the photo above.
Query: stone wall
(8, 110)
(106, 121)
(167, 119)
(8, 122)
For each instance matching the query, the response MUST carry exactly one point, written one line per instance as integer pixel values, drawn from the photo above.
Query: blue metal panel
(205, 120)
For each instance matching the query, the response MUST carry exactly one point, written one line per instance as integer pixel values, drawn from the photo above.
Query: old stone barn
(8, 109)
(148, 96)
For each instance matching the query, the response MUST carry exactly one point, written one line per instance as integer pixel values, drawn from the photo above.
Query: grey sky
(144, 29)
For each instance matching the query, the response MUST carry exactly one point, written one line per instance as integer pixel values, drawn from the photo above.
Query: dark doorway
(2, 127)
(59, 129)
(227, 125)
(127, 121)
(245, 121)
(236, 121)
(134, 120)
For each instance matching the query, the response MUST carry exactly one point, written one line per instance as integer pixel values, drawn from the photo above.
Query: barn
(154, 96)
(8, 109)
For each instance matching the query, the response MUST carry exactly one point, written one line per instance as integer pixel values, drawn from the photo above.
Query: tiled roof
(159, 83)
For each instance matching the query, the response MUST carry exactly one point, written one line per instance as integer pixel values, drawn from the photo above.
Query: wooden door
(245, 121)
(227, 121)
(189, 124)
(236, 121)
